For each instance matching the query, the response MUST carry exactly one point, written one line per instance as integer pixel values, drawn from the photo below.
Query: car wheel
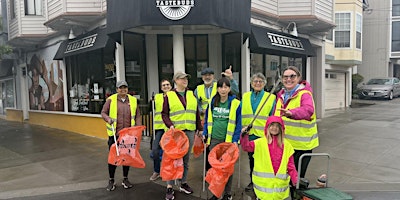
(390, 97)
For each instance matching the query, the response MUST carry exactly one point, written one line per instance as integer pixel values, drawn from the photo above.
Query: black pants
(112, 168)
(251, 163)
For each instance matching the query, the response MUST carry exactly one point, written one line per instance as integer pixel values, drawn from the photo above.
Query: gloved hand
(111, 121)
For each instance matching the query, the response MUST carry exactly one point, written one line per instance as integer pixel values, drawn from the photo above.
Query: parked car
(382, 87)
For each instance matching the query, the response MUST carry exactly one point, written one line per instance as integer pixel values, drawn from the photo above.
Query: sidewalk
(42, 163)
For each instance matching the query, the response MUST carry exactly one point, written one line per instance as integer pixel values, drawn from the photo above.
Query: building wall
(376, 40)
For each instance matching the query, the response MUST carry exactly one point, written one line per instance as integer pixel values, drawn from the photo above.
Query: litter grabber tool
(277, 82)
(115, 138)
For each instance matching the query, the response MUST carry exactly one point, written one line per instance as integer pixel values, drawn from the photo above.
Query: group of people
(275, 130)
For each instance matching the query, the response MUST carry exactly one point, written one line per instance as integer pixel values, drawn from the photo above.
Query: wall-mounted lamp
(294, 29)
(71, 34)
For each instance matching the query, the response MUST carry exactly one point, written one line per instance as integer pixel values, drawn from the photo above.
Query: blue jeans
(156, 150)
(190, 135)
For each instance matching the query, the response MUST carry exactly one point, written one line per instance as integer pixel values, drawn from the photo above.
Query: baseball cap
(121, 83)
(181, 75)
(207, 71)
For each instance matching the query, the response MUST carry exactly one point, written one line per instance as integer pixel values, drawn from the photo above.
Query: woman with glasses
(295, 104)
(159, 127)
(252, 102)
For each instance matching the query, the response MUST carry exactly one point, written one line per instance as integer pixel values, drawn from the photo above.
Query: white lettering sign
(283, 41)
(175, 9)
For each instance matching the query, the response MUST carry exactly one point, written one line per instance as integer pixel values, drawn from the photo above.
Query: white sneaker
(155, 176)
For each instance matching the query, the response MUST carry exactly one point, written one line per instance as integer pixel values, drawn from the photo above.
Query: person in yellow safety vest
(205, 92)
(180, 111)
(295, 104)
(273, 161)
(120, 111)
(159, 127)
(223, 123)
(251, 104)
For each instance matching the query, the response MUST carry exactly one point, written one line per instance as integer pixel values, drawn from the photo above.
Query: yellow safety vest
(267, 184)
(183, 119)
(158, 106)
(201, 94)
(247, 113)
(231, 123)
(113, 111)
(302, 134)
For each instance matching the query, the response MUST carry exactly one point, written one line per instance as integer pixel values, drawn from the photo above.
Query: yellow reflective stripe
(303, 139)
(209, 124)
(299, 124)
(229, 133)
(109, 128)
(231, 121)
(157, 113)
(133, 116)
(158, 122)
(270, 190)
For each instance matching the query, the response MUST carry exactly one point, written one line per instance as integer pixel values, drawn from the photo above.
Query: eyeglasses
(292, 76)
(258, 81)
(164, 85)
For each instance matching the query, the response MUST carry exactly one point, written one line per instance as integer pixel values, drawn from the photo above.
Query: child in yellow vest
(273, 161)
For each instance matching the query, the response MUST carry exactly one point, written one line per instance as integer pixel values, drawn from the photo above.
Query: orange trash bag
(128, 148)
(222, 159)
(198, 146)
(175, 145)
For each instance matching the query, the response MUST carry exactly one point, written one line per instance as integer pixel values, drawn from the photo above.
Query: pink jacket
(306, 110)
(275, 152)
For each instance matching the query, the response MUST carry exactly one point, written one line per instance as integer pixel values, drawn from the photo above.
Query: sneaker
(170, 194)
(227, 197)
(111, 185)
(126, 183)
(155, 176)
(249, 187)
(185, 188)
(213, 198)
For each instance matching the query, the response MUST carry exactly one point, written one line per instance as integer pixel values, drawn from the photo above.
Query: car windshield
(379, 81)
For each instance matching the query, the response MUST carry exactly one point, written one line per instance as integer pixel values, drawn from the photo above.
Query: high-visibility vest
(201, 94)
(113, 111)
(248, 115)
(231, 123)
(183, 119)
(268, 185)
(302, 134)
(158, 106)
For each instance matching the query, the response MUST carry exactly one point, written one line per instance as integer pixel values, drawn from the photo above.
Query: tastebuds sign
(175, 9)
(283, 41)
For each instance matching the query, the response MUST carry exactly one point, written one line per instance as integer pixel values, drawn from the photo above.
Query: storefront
(90, 71)
(271, 50)
(162, 37)
(7, 87)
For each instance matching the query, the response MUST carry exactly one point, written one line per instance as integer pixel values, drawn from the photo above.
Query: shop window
(135, 66)
(256, 64)
(33, 7)
(231, 53)
(91, 79)
(6, 95)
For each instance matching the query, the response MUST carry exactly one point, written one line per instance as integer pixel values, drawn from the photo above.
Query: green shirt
(220, 116)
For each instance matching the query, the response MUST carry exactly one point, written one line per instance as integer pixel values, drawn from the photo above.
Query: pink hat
(272, 119)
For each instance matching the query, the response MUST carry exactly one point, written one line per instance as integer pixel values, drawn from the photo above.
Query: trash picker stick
(262, 105)
(153, 105)
(204, 167)
(115, 138)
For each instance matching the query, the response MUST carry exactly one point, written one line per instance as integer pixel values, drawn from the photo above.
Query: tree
(4, 49)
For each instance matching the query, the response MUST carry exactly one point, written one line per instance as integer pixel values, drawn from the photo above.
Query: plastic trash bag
(222, 159)
(128, 148)
(198, 146)
(175, 146)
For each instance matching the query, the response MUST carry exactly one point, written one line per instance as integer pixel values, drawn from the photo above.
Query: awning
(125, 14)
(272, 42)
(89, 41)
